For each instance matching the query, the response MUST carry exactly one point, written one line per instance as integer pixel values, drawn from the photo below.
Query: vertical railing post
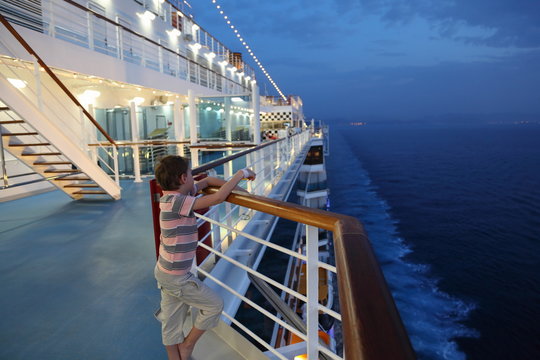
(3, 160)
(90, 31)
(271, 162)
(227, 174)
(135, 137)
(51, 18)
(249, 164)
(257, 168)
(37, 79)
(115, 159)
(312, 271)
(160, 59)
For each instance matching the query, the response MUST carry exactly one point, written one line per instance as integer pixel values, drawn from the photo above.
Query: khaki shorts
(178, 293)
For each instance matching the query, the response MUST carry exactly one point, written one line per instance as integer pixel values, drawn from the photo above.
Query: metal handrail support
(3, 160)
(48, 70)
(372, 327)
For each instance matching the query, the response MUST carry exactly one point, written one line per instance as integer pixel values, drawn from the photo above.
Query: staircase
(64, 165)
(46, 127)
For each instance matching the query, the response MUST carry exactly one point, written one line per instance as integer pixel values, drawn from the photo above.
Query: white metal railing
(69, 21)
(47, 96)
(228, 222)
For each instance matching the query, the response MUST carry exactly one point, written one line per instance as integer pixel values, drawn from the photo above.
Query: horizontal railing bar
(330, 312)
(327, 267)
(328, 352)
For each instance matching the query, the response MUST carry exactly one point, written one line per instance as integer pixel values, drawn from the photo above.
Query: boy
(179, 287)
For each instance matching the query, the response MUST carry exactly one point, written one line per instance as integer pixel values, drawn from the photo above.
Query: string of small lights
(248, 48)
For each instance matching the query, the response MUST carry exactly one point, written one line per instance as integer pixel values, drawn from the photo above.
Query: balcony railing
(72, 22)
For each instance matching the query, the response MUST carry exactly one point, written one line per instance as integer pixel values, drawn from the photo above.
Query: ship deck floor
(77, 278)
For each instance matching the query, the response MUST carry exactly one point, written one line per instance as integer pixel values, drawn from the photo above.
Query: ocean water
(453, 214)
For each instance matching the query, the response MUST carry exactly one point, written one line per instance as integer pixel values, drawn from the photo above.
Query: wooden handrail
(79, 6)
(31, 51)
(372, 327)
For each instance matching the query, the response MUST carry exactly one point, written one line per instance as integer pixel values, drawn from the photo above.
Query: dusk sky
(397, 59)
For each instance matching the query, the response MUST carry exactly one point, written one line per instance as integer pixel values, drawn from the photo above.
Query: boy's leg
(186, 348)
(172, 352)
(200, 296)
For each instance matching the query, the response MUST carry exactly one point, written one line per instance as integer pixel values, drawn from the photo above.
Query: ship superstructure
(93, 93)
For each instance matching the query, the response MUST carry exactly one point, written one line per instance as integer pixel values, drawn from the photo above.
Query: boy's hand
(248, 174)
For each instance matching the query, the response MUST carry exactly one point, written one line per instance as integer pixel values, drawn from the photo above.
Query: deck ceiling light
(137, 100)
(236, 99)
(18, 83)
(147, 15)
(91, 94)
(174, 32)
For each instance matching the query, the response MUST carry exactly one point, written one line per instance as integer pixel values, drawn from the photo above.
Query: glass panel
(226, 118)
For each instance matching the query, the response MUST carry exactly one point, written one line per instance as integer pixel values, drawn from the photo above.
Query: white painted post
(115, 158)
(194, 157)
(192, 118)
(37, 78)
(312, 270)
(256, 102)
(178, 121)
(257, 168)
(90, 31)
(51, 18)
(135, 137)
(272, 162)
(249, 162)
(228, 118)
(227, 173)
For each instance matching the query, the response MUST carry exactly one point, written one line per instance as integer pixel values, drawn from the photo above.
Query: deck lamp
(147, 15)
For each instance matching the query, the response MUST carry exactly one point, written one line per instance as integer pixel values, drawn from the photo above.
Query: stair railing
(54, 99)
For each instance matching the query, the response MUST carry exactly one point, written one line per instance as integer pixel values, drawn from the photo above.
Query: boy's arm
(226, 188)
(212, 181)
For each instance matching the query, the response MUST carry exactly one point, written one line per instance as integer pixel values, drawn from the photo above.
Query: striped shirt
(178, 240)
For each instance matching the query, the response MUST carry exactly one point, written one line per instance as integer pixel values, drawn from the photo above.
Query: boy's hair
(168, 171)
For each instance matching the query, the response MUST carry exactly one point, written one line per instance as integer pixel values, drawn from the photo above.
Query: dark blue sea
(453, 213)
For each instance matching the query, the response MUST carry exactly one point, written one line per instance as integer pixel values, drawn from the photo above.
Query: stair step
(73, 179)
(81, 186)
(26, 145)
(60, 171)
(53, 163)
(42, 154)
(11, 122)
(20, 134)
(90, 192)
